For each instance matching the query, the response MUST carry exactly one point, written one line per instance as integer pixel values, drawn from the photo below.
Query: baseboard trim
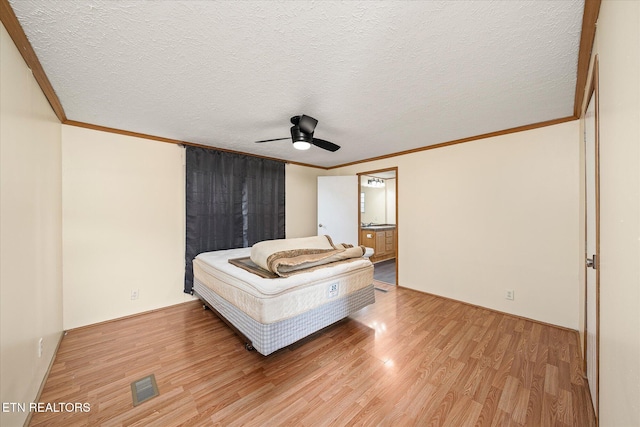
(540, 322)
(142, 313)
(46, 377)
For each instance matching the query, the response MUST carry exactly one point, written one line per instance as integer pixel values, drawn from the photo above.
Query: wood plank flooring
(409, 359)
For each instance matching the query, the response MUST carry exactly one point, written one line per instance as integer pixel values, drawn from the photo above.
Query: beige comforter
(285, 257)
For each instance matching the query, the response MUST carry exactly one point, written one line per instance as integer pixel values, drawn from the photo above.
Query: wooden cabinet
(390, 242)
(368, 238)
(381, 245)
(382, 241)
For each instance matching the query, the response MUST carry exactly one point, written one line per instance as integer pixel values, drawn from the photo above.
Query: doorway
(378, 221)
(592, 241)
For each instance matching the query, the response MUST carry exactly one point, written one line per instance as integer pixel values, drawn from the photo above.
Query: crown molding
(11, 23)
(587, 37)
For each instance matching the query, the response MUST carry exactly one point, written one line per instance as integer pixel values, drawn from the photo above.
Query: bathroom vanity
(380, 237)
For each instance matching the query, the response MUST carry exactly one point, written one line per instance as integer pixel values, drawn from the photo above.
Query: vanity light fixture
(375, 182)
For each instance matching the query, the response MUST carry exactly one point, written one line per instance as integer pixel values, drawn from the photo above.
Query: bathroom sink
(377, 226)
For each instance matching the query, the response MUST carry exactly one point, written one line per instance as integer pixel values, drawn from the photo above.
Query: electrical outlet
(508, 294)
(40, 345)
(134, 294)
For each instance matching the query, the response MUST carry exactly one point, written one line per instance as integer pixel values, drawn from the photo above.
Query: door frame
(593, 93)
(372, 172)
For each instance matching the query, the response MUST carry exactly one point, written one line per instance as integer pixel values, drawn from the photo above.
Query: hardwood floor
(409, 359)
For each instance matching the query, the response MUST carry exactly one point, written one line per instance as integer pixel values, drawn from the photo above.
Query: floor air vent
(144, 389)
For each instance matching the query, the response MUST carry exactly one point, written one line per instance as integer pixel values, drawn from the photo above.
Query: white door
(338, 204)
(592, 291)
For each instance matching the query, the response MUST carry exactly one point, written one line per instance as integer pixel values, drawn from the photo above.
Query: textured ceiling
(380, 76)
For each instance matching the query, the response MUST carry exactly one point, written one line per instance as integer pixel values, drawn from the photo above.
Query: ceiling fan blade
(325, 144)
(307, 124)
(276, 139)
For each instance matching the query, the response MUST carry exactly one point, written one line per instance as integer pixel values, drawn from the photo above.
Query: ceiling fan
(302, 135)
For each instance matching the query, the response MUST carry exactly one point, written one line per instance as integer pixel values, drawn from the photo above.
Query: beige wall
(501, 213)
(618, 50)
(31, 230)
(123, 225)
(390, 190)
(123, 200)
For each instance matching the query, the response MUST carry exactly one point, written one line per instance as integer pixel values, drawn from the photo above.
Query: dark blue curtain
(232, 201)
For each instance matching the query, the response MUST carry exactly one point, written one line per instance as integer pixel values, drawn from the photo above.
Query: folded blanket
(285, 257)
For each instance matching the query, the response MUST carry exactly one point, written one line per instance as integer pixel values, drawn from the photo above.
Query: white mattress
(272, 300)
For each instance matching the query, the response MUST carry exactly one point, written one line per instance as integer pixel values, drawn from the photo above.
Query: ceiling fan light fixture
(301, 140)
(301, 145)
(302, 135)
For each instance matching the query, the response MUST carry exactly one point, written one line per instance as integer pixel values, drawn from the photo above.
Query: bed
(271, 312)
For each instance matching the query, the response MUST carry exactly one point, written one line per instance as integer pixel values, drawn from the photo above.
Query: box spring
(267, 338)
